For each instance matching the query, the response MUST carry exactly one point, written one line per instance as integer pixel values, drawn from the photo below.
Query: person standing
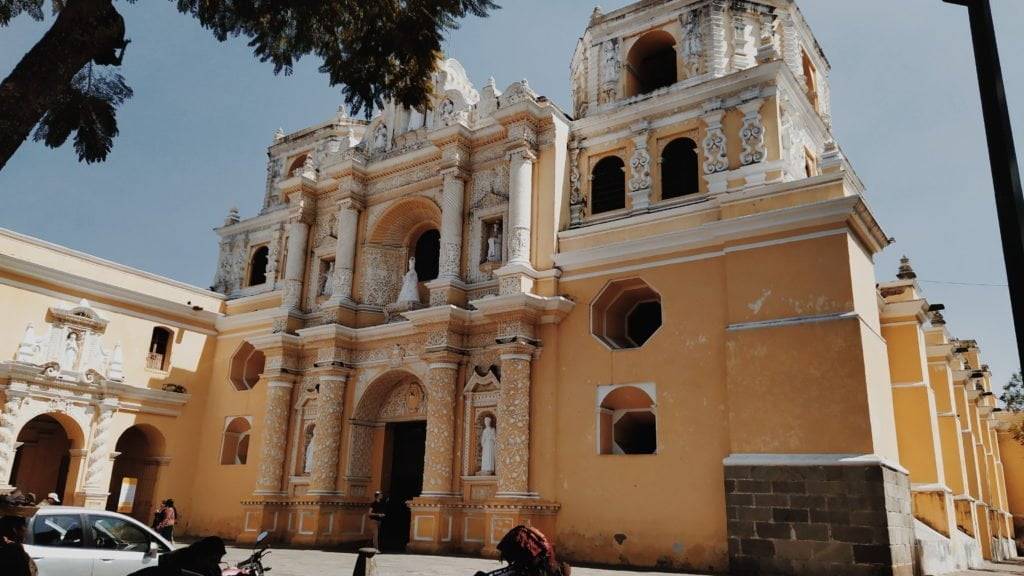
(166, 517)
(377, 514)
(51, 500)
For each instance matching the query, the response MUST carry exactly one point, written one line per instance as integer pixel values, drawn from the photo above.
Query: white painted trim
(910, 385)
(757, 324)
(704, 255)
(416, 530)
(526, 357)
(810, 460)
(443, 365)
(107, 263)
(302, 523)
(246, 528)
(930, 487)
(713, 233)
(67, 297)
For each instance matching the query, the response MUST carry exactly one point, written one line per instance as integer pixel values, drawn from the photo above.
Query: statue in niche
(447, 111)
(380, 137)
(307, 463)
(494, 244)
(71, 348)
(326, 278)
(410, 285)
(487, 438)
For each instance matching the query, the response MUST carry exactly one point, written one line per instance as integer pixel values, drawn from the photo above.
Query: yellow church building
(649, 326)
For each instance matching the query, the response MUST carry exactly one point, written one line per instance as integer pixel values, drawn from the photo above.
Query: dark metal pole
(1001, 155)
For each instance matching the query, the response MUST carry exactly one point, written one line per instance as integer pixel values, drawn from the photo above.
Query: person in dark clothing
(201, 558)
(13, 558)
(377, 514)
(165, 518)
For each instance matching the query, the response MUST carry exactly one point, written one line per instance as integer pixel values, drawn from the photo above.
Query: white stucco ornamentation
(752, 133)
(640, 172)
(437, 462)
(715, 158)
(72, 345)
(693, 42)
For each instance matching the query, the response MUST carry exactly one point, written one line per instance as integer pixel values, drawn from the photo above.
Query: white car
(71, 541)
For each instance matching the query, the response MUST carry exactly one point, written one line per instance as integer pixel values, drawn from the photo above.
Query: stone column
(345, 252)
(716, 159)
(512, 451)
(327, 434)
(437, 465)
(520, 207)
(76, 471)
(98, 464)
(275, 435)
(451, 223)
(298, 236)
(13, 398)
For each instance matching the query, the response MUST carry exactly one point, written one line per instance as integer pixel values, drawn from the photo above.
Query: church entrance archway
(136, 469)
(401, 479)
(388, 445)
(43, 458)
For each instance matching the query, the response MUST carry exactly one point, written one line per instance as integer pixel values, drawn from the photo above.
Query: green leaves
(375, 50)
(88, 108)
(11, 9)
(1013, 393)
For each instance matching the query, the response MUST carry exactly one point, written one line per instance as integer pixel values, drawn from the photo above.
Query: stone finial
(278, 135)
(937, 319)
(233, 217)
(490, 83)
(342, 112)
(906, 272)
(596, 15)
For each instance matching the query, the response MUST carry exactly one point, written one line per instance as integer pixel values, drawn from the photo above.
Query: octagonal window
(626, 314)
(246, 367)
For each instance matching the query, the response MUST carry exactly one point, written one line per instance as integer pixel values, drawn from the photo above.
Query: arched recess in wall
(297, 163)
(627, 419)
(680, 169)
(258, 266)
(159, 355)
(136, 471)
(235, 446)
(608, 185)
(42, 458)
(398, 232)
(651, 63)
(247, 365)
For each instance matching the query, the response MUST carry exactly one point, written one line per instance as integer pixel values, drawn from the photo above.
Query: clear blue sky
(193, 139)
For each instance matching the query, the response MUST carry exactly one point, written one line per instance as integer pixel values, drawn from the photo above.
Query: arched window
(608, 185)
(651, 63)
(246, 366)
(296, 164)
(428, 254)
(235, 449)
(680, 169)
(258, 266)
(627, 421)
(159, 355)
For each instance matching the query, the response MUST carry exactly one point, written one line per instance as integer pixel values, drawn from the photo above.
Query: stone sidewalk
(291, 562)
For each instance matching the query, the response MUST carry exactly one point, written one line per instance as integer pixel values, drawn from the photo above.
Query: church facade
(649, 326)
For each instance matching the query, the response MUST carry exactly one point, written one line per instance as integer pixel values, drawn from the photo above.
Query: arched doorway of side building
(389, 432)
(42, 462)
(133, 480)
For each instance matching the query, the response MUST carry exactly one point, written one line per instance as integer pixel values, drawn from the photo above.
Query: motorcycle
(253, 565)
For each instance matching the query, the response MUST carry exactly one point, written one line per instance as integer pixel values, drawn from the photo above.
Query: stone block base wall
(818, 519)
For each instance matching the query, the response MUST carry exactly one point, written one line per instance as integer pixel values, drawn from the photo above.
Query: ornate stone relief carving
(640, 172)
(577, 200)
(406, 401)
(610, 67)
(72, 345)
(693, 42)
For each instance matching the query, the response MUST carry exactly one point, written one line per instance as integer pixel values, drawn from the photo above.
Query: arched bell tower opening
(651, 63)
(408, 228)
(427, 250)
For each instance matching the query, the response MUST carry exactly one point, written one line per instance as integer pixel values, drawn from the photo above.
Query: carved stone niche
(71, 348)
(480, 399)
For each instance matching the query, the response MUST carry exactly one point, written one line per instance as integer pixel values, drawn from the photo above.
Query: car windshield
(113, 533)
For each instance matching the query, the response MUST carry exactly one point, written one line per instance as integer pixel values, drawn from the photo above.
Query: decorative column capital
(522, 154)
(455, 172)
(354, 203)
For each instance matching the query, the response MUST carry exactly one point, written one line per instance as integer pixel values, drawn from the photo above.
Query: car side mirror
(153, 549)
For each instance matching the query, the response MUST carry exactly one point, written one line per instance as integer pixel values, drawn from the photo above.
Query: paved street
(286, 562)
